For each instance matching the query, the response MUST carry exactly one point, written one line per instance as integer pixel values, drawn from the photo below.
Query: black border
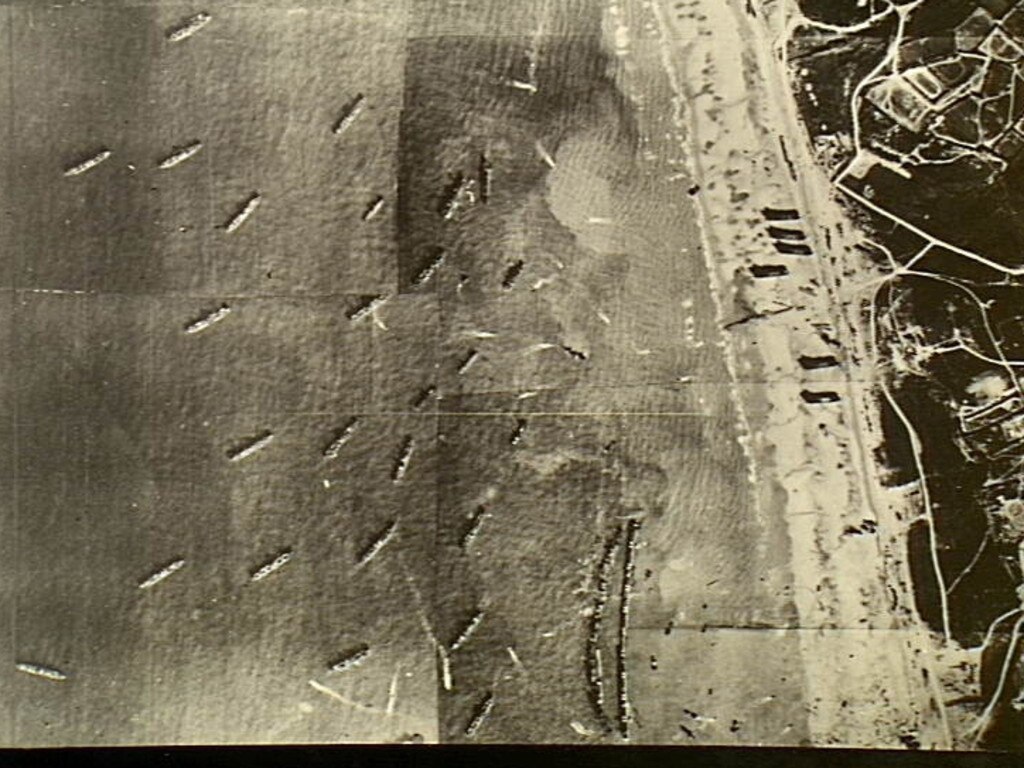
(494, 757)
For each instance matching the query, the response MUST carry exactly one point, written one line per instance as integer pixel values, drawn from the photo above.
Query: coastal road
(810, 451)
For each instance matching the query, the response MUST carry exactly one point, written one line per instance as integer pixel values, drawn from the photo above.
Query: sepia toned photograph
(604, 373)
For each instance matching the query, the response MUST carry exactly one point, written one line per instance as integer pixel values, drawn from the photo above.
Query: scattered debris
(517, 434)
(88, 164)
(756, 316)
(515, 657)
(338, 697)
(162, 574)
(392, 692)
(827, 334)
(425, 395)
(581, 729)
(910, 740)
(866, 526)
(544, 155)
(521, 85)
(575, 354)
(786, 158)
(473, 528)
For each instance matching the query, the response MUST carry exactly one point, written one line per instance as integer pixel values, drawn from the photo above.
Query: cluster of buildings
(965, 88)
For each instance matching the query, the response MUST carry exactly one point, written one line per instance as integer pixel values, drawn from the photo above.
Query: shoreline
(814, 457)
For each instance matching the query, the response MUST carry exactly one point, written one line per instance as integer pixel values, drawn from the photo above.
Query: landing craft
(762, 271)
(816, 363)
(785, 233)
(819, 398)
(780, 214)
(792, 249)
